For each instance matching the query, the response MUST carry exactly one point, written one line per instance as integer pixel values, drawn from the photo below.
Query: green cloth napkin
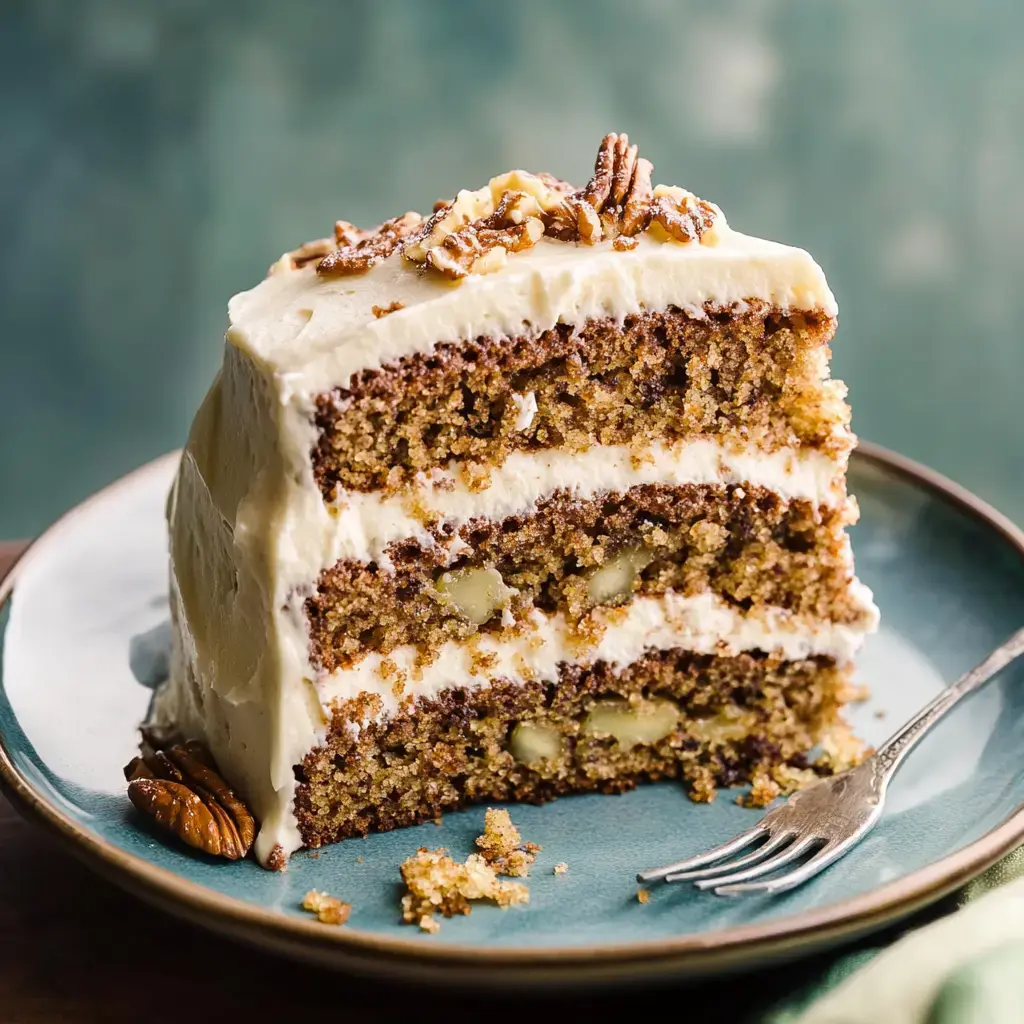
(967, 968)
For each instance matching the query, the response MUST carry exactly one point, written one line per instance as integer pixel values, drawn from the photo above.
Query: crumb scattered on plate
(436, 884)
(328, 909)
(502, 846)
(561, 868)
(642, 896)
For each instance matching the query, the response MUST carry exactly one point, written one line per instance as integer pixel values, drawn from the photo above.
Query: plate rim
(371, 951)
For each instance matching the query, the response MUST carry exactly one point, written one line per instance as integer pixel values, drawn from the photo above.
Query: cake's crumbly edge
(738, 717)
(751, 373)
(744, 544)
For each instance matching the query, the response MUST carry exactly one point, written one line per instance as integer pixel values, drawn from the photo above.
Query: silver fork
(820, 824)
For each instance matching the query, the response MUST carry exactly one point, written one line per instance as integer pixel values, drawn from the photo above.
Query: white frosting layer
(361, 525)
(703, 623)
(316, 333)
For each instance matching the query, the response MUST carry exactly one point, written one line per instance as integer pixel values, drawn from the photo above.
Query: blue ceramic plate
(85, 632)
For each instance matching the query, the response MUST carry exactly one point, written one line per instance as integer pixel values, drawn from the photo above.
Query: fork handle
(891, 753)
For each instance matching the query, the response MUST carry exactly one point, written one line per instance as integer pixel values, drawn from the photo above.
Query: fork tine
(709, 856)
(728, 867)
(791, 853)
(827, 855)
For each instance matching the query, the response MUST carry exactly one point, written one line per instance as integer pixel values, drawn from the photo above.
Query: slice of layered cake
(542, 494)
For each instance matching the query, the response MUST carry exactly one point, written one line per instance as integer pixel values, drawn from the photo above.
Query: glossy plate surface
(84, 638)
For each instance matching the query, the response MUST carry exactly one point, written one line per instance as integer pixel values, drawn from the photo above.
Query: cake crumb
(379, 311)
(702, 786)
(790, 779)
(642, 896)
(429, 924)
(502, 846)
(436, 884)
(438, 821)
(328, 909)
(880, 713)
(278, 860)
(561, 868)
(841, 749)
(763, 790)
(359, 860)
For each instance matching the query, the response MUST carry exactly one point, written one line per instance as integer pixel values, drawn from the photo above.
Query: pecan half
(620, 181)
(179, 787)
(636, 211)
(362, 250)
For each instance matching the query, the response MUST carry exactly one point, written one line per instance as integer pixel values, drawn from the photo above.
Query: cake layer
(708, 719)
(702, 624)
(569, 555)
(362, 525)
(753, 374)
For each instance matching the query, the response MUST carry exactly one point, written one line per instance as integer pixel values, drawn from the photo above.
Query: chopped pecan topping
(465, 208)
(475, 231)
(624, 243)
(394, 307)
(470, 235)
(367, 251)
(180, 789)
(680, 214)
(346, 234)
(306, 253)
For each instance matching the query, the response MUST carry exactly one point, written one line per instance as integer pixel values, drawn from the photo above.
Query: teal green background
(156, 157)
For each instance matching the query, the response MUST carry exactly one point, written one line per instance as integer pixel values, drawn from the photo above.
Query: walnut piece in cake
(328, 909)
(436, 884)
(502, 846)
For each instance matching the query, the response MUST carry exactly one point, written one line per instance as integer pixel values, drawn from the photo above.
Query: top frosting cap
(314, 331)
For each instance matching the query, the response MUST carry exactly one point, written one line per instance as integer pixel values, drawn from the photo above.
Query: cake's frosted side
(657, 517)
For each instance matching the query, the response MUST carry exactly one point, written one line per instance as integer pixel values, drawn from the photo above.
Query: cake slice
(541, 494)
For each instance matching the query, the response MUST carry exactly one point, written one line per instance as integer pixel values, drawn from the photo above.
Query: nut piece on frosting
(679, 215)
(475, 232)
(362, 250)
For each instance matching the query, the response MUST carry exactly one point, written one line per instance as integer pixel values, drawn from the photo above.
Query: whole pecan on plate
(180, 789)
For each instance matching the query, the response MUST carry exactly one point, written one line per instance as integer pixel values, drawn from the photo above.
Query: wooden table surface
(75, 948)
